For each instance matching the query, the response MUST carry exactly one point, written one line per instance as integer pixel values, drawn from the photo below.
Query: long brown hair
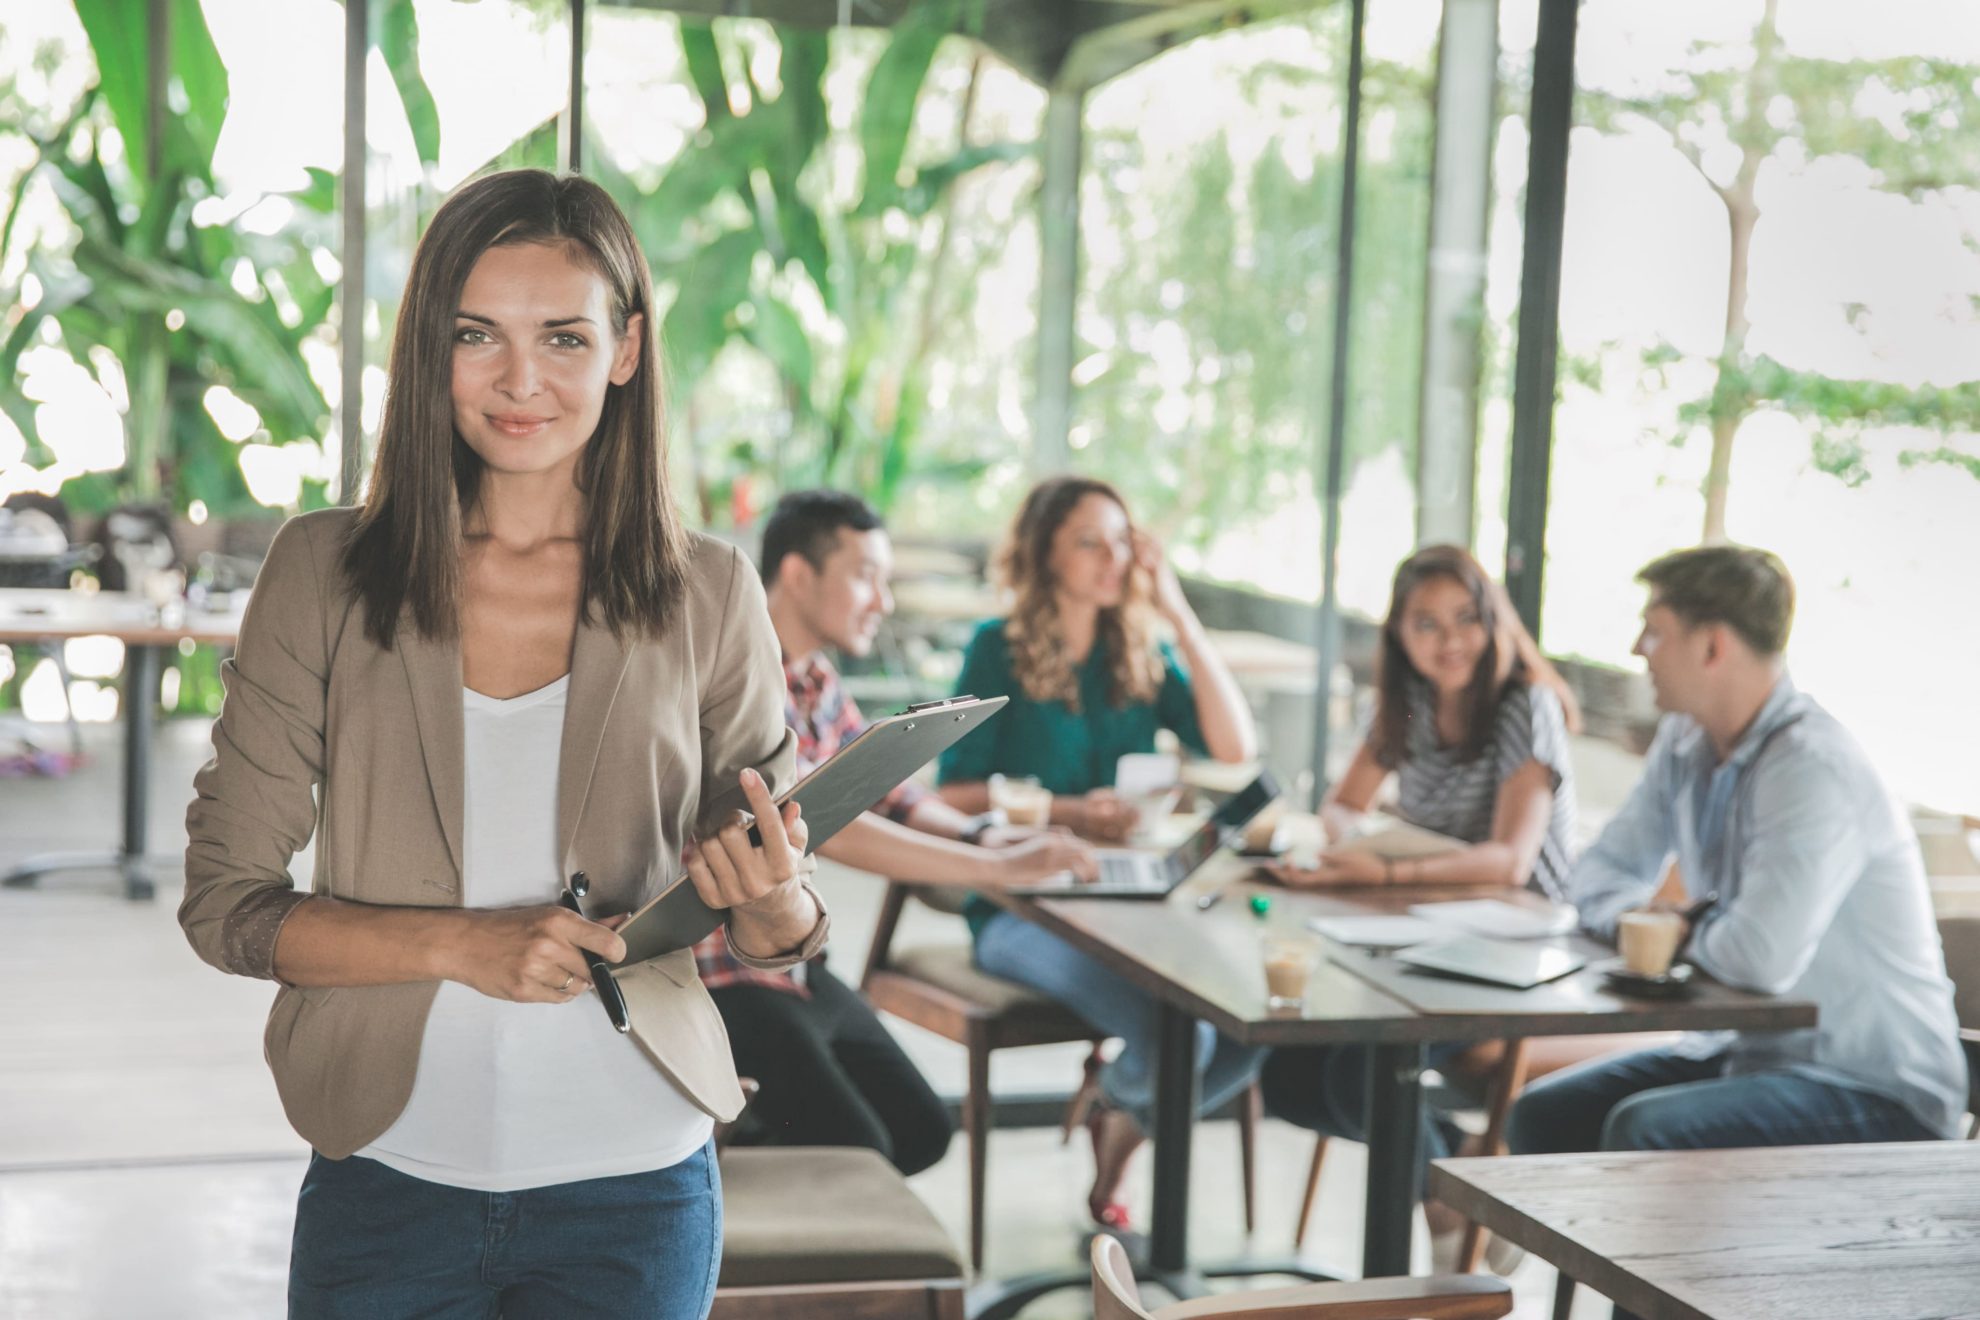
(1037, 640)
(1510, 656)
(405, 550)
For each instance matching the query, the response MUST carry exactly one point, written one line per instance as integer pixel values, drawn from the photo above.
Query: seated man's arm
(1802, 852)
(899, 852)
(1625, 864)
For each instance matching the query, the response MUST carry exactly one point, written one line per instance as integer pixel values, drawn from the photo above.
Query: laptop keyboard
(1122, 871)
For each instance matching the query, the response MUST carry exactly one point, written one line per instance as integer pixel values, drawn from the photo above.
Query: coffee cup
(1263, 829)
(1023, 801)
(1648, 939)
(1288, 967)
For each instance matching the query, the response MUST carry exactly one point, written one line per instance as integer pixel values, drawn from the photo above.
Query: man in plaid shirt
(829, 1072)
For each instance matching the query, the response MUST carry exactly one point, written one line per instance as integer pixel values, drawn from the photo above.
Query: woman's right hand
(1042, 856)
(529, 955)
(1106, 816)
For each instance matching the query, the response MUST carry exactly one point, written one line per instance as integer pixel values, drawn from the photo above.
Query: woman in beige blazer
(510, 665)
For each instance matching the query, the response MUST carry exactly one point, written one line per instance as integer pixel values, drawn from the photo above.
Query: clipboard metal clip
(923, 707)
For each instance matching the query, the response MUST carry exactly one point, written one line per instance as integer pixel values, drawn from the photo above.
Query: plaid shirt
(825, 719)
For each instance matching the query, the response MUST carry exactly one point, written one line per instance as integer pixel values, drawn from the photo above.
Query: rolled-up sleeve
(254, 803)
(742, 725)
(1624, 866)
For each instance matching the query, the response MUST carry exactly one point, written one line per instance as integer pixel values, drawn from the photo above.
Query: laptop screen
(1220, 827)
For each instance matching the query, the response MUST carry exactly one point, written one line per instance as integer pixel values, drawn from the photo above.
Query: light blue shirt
(1822, 896)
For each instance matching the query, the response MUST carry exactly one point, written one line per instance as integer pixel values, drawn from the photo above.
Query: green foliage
(1909, 120)
(768, 248)
(179, 304)
(1237, 277)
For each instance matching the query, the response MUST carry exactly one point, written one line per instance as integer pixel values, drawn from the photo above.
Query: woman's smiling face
(534, 352)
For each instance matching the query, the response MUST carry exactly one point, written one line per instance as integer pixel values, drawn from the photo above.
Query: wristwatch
(976, 826)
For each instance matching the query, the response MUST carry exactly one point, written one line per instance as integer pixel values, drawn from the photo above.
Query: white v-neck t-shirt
(510, 1096)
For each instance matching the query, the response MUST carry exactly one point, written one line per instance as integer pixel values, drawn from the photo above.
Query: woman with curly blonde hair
(1089, 682)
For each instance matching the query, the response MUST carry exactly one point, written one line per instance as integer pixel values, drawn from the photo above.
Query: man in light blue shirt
(1771, 805)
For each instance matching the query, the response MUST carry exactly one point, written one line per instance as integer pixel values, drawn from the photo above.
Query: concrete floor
(146, 1169)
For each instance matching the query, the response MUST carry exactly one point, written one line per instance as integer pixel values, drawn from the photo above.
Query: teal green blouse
(1070, 752)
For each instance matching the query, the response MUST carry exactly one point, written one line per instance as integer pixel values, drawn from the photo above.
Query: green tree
(832, 267)
(1737, 109)
(1232, 271)
(179, 303)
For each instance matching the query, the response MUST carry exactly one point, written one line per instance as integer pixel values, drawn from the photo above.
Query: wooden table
(1206, 966)
(57, 616)
(1866, 1232)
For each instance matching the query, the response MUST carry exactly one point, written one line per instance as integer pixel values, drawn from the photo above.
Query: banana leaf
(398, 42)
(892, 92)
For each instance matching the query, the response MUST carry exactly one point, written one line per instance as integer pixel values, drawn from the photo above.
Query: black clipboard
(833, 795)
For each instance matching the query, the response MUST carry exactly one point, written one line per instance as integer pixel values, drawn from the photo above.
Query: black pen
(601, 974)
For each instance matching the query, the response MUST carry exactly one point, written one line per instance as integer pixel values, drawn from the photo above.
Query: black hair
(807, 522)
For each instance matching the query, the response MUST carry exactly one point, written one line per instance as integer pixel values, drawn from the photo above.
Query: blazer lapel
(598, 667)
(434, 670)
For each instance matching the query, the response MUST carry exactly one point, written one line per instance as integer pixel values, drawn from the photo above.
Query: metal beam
(350, 291)
(1454, 278)
(1549, 122)
(1333, 457)
(574, 108)
(1058, 278)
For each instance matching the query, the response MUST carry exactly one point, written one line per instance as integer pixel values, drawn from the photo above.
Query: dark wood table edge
(1584, 1266)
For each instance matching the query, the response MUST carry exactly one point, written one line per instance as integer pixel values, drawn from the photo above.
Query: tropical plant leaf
(271, 375)
(398, 42)
(704, 65)
(534, 150)
(322, 193)
(712, 286)
(780, 336)
(202, 76)
(119, 37)
(933, 182)
(892, 92)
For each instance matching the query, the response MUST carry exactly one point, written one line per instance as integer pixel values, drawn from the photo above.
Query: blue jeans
(1659, 1100)
(1016, 950)
(1324, 1089)
(373, 1242)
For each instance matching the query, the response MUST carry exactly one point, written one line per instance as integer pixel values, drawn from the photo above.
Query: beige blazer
(324, 733)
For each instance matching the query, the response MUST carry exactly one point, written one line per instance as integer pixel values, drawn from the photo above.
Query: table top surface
(30, 615)
(1869, 1232)
(1210, 963)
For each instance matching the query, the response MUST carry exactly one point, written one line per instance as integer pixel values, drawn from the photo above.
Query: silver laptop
(1128, 874)
(1497, 962)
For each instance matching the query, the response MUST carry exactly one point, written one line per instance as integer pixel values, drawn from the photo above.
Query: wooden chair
(940, 989)
(1960, 937)
(830, 1233)
(1439, 1297)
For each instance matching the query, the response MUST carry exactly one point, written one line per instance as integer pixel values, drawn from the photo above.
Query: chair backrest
(1114, 1294)
(943, 898)
(1961, 938)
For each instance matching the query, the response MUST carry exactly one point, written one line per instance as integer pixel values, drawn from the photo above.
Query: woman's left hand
(759, 885)
(1335, 868)
(1150, 559)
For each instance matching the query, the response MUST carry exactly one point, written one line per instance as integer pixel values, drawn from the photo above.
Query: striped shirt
(1442, 791)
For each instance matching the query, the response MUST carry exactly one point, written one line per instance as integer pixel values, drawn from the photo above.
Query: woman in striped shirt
(1473, 723)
